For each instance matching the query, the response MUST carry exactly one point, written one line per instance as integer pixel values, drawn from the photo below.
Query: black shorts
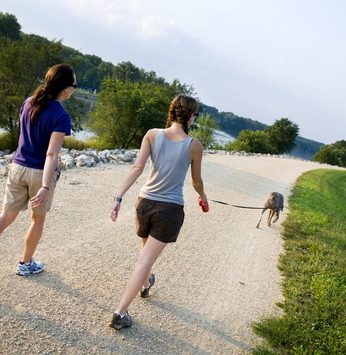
(161, 220)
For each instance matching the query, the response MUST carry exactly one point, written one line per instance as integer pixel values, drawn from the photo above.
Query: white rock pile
(68, 159)
(91, 157)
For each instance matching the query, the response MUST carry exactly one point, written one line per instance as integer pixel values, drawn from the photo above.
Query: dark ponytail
(57, 78)
(180, 110)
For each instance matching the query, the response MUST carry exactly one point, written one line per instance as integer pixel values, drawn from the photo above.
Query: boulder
(67, 161)
(83, 160)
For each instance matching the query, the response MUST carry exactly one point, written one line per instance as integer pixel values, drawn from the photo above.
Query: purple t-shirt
(34, 137)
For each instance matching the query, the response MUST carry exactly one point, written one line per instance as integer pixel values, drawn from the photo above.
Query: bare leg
(33, 236)
(146, 280)
(6, 218)
(148, 255)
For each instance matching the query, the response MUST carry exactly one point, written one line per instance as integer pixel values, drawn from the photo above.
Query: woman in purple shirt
(32, 176)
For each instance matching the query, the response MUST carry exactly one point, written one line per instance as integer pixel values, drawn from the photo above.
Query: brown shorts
(161, 220)
(22, 184)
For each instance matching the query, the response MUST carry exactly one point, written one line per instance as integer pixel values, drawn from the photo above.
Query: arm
(135, 172)
(196, 153)
(52, 156)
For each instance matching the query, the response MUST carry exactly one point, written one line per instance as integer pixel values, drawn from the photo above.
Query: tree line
(128, 100)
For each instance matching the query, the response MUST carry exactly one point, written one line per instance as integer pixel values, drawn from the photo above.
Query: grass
(92, 143)
(314, 270)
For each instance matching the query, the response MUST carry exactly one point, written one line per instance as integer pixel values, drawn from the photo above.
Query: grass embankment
(314, 270)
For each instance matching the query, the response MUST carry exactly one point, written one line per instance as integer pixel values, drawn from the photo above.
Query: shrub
(73, 143)
(6, 142)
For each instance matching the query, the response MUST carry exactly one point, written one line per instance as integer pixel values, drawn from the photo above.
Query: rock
(125, 158)
(67, 161)
(3, 170)
(82, 161)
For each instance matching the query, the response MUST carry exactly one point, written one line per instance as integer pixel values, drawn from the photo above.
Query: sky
(260, 59)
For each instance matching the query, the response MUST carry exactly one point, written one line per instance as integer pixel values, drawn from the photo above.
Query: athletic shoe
(145, 292)
(34, 267)
(117, 322)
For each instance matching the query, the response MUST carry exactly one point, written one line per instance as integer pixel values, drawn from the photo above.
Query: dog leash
(222, 203)
(252, 208)
(225, 203)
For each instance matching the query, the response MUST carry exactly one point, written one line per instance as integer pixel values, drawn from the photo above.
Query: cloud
(101, 12)
(153, 26)
(127, 19)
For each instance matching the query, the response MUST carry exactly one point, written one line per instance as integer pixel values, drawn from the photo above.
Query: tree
(125, 110)
(205, 130)
(22, 66)
(252, 142)
(151, 77)
(9, 27)
(126, 71)
(282, 135)
(333, 154)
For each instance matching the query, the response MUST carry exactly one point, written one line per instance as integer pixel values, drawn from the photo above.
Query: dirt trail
(219, 277)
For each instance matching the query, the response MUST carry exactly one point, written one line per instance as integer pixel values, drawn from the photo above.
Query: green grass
(314, 270)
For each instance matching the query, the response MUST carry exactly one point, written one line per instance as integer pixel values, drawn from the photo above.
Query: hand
(38, 199)
(204, 204)
(114, 211)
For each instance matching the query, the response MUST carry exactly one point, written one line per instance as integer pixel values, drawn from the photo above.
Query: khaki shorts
(161, 220)
(22, 184)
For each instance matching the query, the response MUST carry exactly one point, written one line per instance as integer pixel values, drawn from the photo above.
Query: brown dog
(275, 204)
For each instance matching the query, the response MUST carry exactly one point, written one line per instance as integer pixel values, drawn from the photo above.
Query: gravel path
(219, 277)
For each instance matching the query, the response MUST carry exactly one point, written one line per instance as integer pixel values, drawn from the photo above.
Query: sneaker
(34, 267)
(145, 291)
(117, 322)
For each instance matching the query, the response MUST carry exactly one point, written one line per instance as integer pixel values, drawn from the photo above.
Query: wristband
(118, 199)
(45, 187)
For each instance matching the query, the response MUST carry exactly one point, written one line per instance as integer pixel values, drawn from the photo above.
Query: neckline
(182, 140)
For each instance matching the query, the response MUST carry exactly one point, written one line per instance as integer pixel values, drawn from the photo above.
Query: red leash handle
(204, 205)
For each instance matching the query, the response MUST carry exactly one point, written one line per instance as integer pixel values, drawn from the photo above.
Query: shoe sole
(119, 326)
(30, 273)
(152, 276)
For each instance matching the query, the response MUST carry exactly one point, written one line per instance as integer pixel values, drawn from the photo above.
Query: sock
(121, 315)
(22, 263)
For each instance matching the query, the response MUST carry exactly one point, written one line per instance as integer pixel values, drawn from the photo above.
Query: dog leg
(260, 218)
(271, 214)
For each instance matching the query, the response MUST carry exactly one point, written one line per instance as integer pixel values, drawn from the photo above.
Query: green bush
(93, 143)
(73, 143)
(333, 154)
(6, 142)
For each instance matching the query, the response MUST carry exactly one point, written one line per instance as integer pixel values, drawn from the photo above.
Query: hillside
(230, 127)
(233, 125)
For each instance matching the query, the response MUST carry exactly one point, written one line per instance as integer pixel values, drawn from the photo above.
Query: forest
(24, 59)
